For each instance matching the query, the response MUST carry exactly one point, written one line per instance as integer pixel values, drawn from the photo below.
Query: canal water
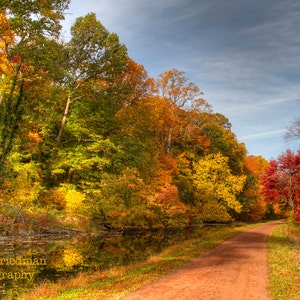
(27, 261)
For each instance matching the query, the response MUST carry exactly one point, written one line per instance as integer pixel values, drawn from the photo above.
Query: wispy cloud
(262, 135)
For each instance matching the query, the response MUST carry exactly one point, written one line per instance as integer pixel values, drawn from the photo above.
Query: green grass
(284, 262)
(119, 281)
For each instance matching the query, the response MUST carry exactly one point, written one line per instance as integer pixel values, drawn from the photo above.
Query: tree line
(88, 138)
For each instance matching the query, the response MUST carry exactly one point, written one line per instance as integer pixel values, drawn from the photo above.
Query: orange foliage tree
(254, 206)
(174, 87)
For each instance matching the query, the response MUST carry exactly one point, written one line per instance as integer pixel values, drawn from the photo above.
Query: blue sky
(244, 55)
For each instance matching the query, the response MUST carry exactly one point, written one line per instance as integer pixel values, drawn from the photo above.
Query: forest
(89, 141)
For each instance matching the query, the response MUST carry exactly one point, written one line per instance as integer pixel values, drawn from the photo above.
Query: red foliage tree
(281, 181)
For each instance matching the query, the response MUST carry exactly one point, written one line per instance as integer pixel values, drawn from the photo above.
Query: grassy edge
(117, 282)
(284, 262)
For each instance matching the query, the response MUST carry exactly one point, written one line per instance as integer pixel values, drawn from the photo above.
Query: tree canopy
(87, 134)
(281, 182)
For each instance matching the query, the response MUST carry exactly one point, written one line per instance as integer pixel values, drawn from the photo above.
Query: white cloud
(262, 135)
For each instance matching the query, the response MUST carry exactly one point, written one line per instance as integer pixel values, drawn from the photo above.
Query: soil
(234, 270)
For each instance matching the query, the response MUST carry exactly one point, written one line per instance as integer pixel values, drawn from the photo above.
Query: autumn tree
(216, 188)
(92, 54)
(89, 133)
(28, 37)
(132, 85)
(130, 120)
(253, 204)
(217, 129)
(6, 38)
(174, 87)
(281, 181)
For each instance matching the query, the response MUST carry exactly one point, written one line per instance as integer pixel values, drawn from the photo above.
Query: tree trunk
(59, 137)
(11, 115)
(169, 142)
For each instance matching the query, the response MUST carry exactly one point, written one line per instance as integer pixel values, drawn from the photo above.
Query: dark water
(25, 262)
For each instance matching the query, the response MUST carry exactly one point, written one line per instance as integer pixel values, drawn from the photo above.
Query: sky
(244, 55)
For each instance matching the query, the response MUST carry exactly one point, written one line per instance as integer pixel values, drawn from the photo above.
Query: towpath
(234, 270)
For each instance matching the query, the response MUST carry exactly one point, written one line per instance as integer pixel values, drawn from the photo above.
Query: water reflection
(27, 261)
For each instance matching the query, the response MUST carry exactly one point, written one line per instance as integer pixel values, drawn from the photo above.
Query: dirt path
(235, 270)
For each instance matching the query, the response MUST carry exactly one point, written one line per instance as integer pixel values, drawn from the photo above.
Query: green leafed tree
(93, 55)
(31, 53)
(217, 128)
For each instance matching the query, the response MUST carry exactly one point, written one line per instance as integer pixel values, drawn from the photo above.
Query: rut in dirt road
(234, 270)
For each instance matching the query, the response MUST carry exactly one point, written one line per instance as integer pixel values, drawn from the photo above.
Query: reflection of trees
(72, 257)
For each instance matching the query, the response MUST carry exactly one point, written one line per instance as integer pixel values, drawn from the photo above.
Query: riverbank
(115, 283)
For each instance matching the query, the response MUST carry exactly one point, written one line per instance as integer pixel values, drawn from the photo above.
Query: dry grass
(42, 290)
(284, 262)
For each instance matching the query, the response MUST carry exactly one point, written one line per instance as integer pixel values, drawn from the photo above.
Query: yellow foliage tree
(74, 201)
(6, 38)
(23, 190)
(72, 257)
(217, 188)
